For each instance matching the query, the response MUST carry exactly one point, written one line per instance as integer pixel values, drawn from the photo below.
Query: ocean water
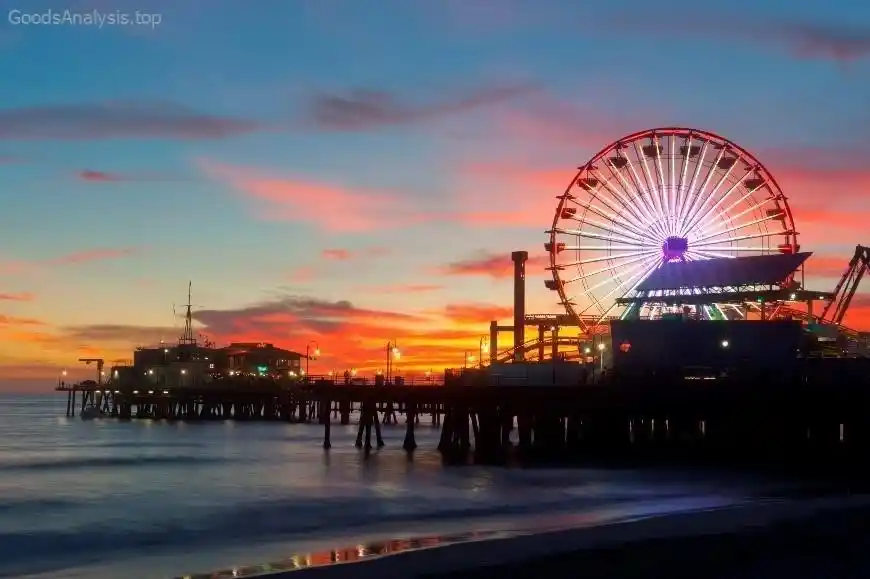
(157, 499)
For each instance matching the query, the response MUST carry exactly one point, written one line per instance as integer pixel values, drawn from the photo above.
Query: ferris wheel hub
(674, 248)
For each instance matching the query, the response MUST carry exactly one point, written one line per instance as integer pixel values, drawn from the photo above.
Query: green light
(262, 369)
(759, 299)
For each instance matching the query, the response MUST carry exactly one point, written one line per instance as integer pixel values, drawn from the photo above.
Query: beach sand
(824, 538)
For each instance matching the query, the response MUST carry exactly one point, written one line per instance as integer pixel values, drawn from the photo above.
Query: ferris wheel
(660, 195)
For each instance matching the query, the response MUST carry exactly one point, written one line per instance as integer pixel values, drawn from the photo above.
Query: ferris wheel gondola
(660, 195)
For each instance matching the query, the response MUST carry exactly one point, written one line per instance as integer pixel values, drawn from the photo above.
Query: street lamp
(601, 348)
(483, 349)
(393, 353)
(309, 353)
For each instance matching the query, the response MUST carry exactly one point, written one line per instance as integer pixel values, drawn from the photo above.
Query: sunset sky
(355, 172)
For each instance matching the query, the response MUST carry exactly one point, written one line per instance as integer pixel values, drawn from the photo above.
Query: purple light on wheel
(675, 248)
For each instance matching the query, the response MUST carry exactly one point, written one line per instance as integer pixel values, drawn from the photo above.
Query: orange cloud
(346, 254)
(477, 313)
(13, 321)
(336, 254)
(402, 288)
(497, 266)
(17, 297)
(329, 206)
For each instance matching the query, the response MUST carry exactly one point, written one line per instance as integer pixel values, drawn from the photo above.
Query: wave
(107, 462)
(33, 506)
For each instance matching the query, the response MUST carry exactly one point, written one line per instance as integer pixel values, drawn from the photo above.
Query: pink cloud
(17, 297)
(335, 208)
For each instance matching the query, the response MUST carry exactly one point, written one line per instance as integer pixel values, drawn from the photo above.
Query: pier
(818, 412)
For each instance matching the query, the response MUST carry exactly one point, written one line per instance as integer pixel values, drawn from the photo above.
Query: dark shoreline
(827, 545)
(821, 538)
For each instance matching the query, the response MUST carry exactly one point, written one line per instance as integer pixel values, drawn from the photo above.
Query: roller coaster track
(534, 345)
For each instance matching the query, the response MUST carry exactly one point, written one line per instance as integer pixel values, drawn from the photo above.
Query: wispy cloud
(366, 109)
(17, 297)
(17, 266)
(120, 119)
(96, 176)
(802, 39)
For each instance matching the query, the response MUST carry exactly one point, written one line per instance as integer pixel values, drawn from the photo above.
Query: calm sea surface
(154, 499)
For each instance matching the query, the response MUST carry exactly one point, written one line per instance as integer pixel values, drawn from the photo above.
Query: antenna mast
(187, 337)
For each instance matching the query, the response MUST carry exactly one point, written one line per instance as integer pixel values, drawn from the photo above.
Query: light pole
(393, 353)
(469, 357)
(308, 354)
(483, 349)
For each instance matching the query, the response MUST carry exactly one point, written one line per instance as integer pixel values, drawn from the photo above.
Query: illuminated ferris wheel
(660, 195)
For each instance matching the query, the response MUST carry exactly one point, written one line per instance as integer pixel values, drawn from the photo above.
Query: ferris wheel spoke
(663, 188)
(645, 197)
(708, 254)
(737, 248)
(602, 247)
(612, 267)
(673, 188)
(702, 199)
(721, 200)
(607, 257)
(613, 218)
(609, 238)
(739, 227)
(634, 194)
(643, 269)
(639, 277)
(691, 194)
(602, 283)
(652, 188)
(762, 235)
(624, 201)
(709, 224)
(681, 189)
(706, 224)
(628, 235)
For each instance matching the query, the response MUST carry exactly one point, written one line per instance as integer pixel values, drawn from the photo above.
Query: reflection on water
(351, 554)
